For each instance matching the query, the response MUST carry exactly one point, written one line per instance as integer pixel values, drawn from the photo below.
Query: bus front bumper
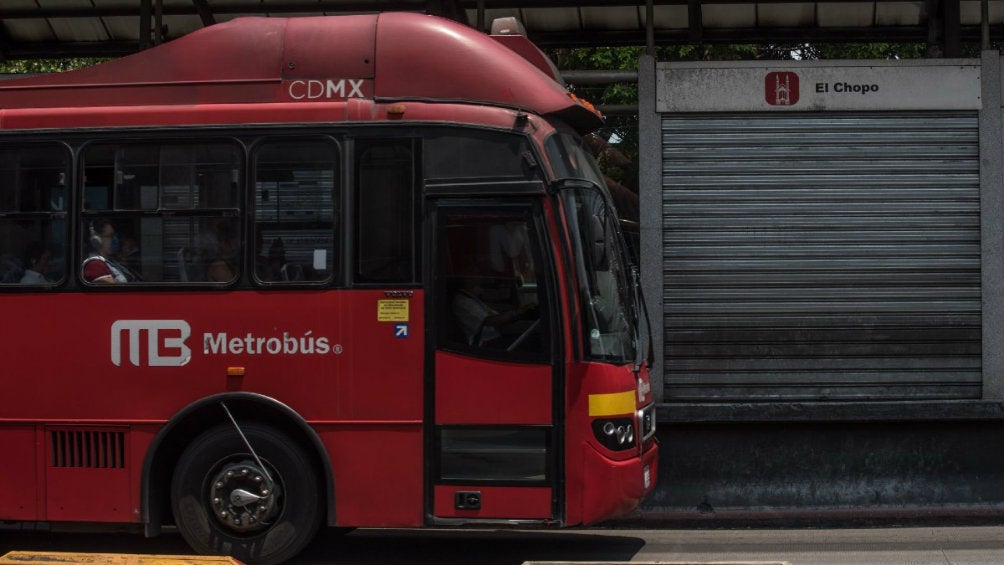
(615, 488)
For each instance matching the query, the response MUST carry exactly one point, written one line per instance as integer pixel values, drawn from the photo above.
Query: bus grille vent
(88, 449)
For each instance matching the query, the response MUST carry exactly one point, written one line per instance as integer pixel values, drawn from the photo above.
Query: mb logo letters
(165, 342)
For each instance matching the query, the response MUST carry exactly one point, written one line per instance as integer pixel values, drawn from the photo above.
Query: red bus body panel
(312, 59)
(471, 390)
(365, 405)
(19, 474)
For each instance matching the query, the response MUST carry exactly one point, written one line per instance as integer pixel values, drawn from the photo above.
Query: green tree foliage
(832, 51)
(40, 66)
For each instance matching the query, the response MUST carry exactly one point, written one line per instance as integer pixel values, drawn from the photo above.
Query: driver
(480, 322)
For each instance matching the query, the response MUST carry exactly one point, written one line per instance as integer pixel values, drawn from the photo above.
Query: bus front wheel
(262, 507)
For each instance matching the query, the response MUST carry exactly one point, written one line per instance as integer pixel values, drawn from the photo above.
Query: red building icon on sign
(781, 88)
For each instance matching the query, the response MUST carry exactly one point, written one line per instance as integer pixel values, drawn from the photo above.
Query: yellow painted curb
(43, 557)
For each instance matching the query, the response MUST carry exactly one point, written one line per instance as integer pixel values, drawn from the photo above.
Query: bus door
(493, 440)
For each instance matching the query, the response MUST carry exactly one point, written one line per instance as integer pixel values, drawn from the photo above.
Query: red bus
(278, 274)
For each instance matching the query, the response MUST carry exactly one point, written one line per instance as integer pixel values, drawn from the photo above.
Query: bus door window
(169, 212)
(33, 207)
(385, 211)
(491, 265)
(296, 192)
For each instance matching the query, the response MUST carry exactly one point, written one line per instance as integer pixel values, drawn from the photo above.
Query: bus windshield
(614, 318)
(611, 314)
(571, 158)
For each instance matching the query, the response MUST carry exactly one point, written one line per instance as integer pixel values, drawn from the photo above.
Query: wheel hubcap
(242, 498)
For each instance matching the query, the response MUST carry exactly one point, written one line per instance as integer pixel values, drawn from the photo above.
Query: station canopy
(31, 29)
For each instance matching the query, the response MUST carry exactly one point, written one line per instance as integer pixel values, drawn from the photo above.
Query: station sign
(818, 86)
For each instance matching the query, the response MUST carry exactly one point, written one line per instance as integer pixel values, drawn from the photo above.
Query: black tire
(269, 530)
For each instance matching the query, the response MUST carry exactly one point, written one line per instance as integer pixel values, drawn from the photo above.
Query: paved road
(983, 545)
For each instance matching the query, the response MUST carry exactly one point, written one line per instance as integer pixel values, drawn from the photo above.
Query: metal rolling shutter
(821, 256)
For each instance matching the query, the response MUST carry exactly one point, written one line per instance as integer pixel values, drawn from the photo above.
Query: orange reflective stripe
(612, 404)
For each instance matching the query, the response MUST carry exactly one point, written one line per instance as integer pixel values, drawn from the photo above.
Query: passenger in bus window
(223, 266)
(270, 267)
(36, 260)
(128, 255)
(98, 267)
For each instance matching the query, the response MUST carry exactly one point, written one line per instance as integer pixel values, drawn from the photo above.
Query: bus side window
(385, 211)
(173, 208)
(33, 193)
(296, 195)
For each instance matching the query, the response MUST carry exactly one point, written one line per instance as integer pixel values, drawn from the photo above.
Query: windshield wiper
(639, 353)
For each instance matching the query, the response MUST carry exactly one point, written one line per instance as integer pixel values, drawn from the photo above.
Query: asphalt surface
(972, 545)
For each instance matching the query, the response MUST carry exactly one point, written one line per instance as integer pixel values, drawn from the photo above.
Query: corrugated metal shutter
(821, 256)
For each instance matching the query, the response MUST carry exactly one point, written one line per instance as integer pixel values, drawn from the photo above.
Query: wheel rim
(242, 497)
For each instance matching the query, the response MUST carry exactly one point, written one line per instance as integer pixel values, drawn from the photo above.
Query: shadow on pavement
(374, 547)
(467, 547)
(80, 542)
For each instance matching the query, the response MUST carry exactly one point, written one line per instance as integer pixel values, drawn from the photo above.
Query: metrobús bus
(350, 271)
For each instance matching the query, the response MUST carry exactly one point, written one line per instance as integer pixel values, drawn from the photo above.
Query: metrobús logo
(166, 343)
(781, 88)
(251, 344)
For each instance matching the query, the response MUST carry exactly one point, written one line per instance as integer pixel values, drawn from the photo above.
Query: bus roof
(383, 57)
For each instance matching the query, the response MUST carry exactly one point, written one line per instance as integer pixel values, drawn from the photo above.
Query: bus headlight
(616, 434)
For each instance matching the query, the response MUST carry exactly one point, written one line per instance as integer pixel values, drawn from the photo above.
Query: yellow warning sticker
(392, 310)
